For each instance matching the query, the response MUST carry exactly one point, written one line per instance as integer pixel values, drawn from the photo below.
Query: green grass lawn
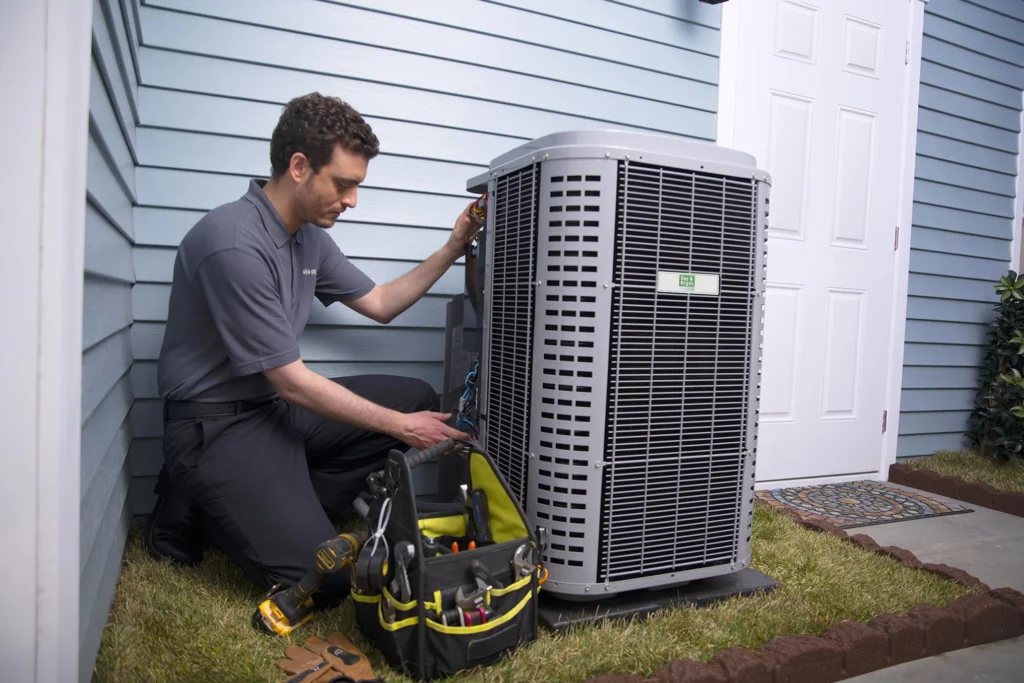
(1005, 476)
(170, 624)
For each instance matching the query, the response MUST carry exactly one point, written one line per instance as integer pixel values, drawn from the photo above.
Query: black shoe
(174, 528)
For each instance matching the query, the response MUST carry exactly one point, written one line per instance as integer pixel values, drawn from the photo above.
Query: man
(256, 445)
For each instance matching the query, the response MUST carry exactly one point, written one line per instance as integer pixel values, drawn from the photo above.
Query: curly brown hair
(312, 125)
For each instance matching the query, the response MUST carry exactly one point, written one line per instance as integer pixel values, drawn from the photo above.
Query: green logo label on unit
(688, 283)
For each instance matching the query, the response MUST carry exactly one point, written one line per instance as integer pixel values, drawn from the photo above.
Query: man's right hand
(424, 429)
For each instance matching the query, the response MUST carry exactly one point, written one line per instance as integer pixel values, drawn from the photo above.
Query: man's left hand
(466, 228)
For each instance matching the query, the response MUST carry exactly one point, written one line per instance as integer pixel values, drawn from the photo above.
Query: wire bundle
(469, 403)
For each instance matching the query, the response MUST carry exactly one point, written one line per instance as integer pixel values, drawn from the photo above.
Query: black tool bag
(430, 635)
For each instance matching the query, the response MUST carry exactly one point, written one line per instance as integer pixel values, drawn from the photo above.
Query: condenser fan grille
(679, 369)
(510, 349)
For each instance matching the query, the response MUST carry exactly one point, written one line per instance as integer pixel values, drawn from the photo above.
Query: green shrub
(997, 421)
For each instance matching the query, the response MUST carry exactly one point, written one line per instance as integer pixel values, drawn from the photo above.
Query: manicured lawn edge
(982, 495)
(852, 648)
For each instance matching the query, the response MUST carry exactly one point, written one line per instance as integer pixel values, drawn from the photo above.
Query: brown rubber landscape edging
(982, 495)
(851, 648)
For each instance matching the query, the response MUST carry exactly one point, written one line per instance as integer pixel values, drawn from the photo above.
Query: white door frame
(45, 45)
(730, 56)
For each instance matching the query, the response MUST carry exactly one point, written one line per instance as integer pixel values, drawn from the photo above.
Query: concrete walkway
(985, 543)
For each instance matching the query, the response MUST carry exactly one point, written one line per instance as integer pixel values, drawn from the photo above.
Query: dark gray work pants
(265, 477)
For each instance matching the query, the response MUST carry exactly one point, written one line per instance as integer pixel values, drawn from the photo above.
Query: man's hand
(466, 228)
(424, 429)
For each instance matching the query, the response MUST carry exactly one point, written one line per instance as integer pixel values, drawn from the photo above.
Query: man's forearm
(402, 293)
(300, 385)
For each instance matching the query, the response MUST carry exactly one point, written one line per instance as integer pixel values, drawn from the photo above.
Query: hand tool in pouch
(284, 610)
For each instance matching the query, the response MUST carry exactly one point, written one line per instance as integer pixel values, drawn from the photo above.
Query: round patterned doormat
(859, 503)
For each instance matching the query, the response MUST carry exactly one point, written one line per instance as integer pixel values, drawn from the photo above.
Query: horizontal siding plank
(167, 227)
(271, 84)
(927, 444)
(930, 239)
(329, 344)
(98, 595)
(241, 42)
(943, 354)
(241, 156)
(105, 54)
(110, 482)
(107, 307)
(922, 308)
(155, 266)
(441, 44)
(924, 400)
(122, 52)
(975, 17)
(955, 128)
(102, 429)
(623, 16)
(923, 377)
(932, 423)
(972, 85)
(948, 173)
(224, 115)
(204, 191)
(108, 253)
(963, 199)
(102, 366)
(972, 62)
(127, 15)
(966, 153)
(965, 222)
(528, 27)
(940, 287)
(1010, 8)
(150, 301)
(956, 265)
(968, 37)
(934, 332)
(956, 104)
(105, 191)
(109, 136)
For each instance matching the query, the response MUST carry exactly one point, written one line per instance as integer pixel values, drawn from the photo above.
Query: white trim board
(47, 105)
(901, 274)
(1018, 219)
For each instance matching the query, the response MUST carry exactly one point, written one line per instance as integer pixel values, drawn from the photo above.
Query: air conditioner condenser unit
(621, 295)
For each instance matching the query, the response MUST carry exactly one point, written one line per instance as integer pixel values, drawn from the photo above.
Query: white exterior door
(819, 101)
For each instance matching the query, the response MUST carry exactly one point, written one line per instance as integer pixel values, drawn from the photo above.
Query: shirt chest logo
(309, 271)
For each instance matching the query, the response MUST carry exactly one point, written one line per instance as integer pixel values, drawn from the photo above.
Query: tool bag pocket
(473, 590)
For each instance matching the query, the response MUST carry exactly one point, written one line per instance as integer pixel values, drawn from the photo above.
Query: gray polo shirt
(240, 297)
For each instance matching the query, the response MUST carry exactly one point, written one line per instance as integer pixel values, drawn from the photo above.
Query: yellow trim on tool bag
(364, 598)
(405, 623)
(506, 523)
(437, 602)
(407, 606)
(512, 588)
(482, 628)
(432, 527)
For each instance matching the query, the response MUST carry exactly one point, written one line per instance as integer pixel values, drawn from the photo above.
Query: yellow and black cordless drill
(282, 611)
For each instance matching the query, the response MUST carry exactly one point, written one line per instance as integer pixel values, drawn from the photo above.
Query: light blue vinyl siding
(972, 77)
(107, 318)
(446, 86)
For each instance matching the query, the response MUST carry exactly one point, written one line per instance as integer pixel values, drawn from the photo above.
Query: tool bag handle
(415, 458)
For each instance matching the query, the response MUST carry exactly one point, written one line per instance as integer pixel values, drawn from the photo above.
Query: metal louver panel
(679, 373)
(510, 301)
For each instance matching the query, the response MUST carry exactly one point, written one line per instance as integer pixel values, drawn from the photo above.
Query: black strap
(191, 410)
